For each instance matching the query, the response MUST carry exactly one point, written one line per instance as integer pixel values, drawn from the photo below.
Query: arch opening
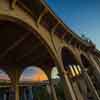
(35, 82)
(33, 74)
(68, 57)
(58, 84)
(72, 69)
(70, 63)
(85, 61)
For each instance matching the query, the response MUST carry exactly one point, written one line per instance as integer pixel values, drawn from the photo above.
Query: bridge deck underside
(20, 47)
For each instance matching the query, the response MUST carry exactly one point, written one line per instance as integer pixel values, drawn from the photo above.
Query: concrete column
(14, 75)
(48, 90)
(30, 93)
(95, 67)
(82, 86)
(77, 91)
(68, 89)
(4, 96)
(52, 89)
(16, 88)
(11, 93)
(24, 94)
(91, 86)
(17, 92)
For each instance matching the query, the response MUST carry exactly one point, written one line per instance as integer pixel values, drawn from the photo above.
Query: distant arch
(54, 73)
(85, 61)
(4, 76)
(33, 74)
(68, 57)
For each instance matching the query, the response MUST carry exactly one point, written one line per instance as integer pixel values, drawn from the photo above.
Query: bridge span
(32, 35)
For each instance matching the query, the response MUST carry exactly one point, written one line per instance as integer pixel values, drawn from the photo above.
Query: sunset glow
(33, 74)
(3, 76)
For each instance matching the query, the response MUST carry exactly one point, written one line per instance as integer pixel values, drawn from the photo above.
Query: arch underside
(21, 48)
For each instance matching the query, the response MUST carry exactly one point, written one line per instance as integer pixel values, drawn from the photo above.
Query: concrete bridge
(31, 34)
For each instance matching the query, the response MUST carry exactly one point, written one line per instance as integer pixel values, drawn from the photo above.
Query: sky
(82, 16)
(3, 75)
(34, 74)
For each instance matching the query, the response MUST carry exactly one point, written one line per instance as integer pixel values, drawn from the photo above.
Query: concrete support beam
(13, 3)
(53, 92)
(83, 87)
(77, 91)
(4, 96)
(24, 95)
(30, 93)
(68, 89)
(54, 28)
(91, 86)
(17, 97)
(14, 74)
(95, 66)
(69, 93)
(41, 16)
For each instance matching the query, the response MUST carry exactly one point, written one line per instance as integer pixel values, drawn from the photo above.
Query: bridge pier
(5, 96)
(50, 86)
(24, 95)
(17, 97)
(68, 89)
(14, 74)
(69, 93)
(30, 93)
(52, 89)
(83, 87)
(91, 86)
(88, 76)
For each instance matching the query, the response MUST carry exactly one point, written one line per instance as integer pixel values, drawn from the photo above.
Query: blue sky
(82, 16)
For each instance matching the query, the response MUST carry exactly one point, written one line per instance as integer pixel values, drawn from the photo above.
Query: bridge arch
(68, 57)
(37, 81)
(22, 47)
(13, 20)
(84, 60)
(34, 73)
(25, 25)
(4, 75)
